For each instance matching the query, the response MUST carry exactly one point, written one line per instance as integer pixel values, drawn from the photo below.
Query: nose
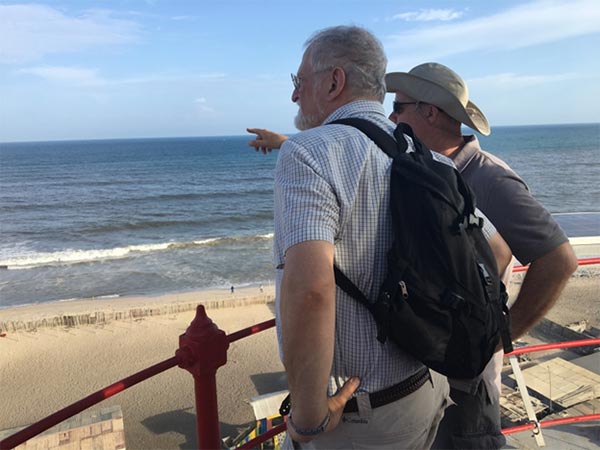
(393, 117)
(295, 95)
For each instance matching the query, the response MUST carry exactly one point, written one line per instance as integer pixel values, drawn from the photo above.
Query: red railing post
(202, 350)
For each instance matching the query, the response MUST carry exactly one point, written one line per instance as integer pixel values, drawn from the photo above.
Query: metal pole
(202, 350)
(537, 431)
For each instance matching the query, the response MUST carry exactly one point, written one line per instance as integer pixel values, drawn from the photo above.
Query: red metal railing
(580, 262)
(251, 330)
(554, 346)
(564, 420)
(80, 405)
(551, 423)
(202, 350)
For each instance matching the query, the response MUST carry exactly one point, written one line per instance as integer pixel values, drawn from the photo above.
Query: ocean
(112, 218)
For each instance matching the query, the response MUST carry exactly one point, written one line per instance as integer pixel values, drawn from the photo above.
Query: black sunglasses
(398, 107)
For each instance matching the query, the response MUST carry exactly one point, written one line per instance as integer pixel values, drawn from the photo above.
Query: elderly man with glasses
(332, 202)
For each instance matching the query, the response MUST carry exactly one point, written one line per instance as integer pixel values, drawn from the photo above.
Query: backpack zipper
(403, 288)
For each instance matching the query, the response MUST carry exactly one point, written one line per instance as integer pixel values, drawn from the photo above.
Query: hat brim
(432, 93)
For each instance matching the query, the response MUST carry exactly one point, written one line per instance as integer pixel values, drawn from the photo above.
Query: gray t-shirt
(526, 226)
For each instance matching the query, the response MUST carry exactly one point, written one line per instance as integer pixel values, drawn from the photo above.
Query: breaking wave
(68, 257)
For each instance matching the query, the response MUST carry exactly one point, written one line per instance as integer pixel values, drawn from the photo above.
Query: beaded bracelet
(310, 431)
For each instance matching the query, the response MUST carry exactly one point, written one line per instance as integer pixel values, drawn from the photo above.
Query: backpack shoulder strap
(384, 140)
(388, 144)
(392, 146)
(349, 287)
(405, 129)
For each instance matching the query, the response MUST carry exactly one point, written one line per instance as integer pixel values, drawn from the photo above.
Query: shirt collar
(355, 108)
(466, 154)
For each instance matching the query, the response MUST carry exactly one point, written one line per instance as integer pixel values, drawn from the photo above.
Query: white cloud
(428, 15)
(526, 25)
(183, 18)
(31, 31)
(79, 76)
(513, 80)
(202, 106)
(70, 75)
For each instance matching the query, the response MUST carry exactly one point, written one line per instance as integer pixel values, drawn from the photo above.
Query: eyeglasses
(297, 81)
(398, 107)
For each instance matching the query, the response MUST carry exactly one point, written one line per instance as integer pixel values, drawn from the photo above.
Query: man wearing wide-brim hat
(434, 101)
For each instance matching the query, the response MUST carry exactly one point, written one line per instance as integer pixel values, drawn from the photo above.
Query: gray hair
(357, 51)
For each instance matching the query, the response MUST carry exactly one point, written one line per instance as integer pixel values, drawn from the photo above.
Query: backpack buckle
(461, 224)
(467, 222)
(474, 221)
(484, 274)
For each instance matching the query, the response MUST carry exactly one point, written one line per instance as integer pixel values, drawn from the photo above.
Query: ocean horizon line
(229, 136)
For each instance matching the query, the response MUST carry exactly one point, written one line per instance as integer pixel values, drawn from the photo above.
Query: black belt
(393, 393)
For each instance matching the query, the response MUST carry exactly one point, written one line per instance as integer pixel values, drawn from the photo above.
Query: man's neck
(448, 145)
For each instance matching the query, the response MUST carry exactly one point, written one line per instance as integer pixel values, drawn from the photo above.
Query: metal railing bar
(251, 330)
(580, 262)
(551, 423)
(80, 405)
(553, 346)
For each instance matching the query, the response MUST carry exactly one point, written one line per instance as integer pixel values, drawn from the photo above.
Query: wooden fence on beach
(104, 317)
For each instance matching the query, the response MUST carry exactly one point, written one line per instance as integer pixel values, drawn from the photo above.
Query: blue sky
(163, 68)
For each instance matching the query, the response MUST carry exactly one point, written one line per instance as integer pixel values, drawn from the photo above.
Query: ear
(432, 113)
(337, 83)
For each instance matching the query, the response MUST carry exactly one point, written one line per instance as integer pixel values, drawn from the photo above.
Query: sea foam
(74, 256)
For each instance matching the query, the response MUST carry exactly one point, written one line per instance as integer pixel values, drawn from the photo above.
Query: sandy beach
(49, 361)
(53, 366)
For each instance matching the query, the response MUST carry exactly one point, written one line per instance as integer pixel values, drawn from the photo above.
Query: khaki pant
(409, 423)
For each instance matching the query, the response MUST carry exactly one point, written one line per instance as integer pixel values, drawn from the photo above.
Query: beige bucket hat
(442, 87)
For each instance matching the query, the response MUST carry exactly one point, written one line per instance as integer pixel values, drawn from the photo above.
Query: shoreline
(584, 246)
(97, 311)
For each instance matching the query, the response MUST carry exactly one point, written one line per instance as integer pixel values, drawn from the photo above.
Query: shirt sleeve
(521, 220)
(488, 228)
(306, 206)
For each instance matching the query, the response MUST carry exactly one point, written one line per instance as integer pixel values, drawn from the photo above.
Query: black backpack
(442, 300)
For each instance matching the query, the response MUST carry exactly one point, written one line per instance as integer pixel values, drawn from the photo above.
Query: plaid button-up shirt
(332, 184)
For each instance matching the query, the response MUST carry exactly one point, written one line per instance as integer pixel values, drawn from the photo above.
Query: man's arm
(543, 283)
(307, 308)
(266, 140)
